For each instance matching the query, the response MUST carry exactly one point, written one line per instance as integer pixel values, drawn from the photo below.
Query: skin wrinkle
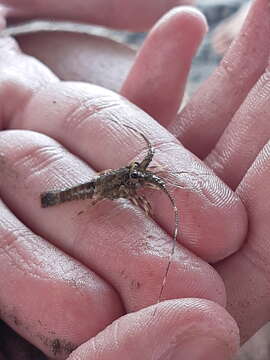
(256, 259)
(14, 259)
(243, 139)
(199, 181)
(36, 265)
(46, 156)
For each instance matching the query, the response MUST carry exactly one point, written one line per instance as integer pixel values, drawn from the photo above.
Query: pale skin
(117, 255)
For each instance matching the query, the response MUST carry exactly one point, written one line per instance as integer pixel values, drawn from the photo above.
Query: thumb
(176, 329)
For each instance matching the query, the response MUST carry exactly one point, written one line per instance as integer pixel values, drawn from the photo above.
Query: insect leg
(150, 154)
(145, 204)
(103, 172)
(157, 169)
(96, 199)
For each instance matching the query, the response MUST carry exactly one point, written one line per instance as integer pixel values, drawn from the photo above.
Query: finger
(246, 273)
(20, 77)
(205, 117)
(114, 239)
(245, 136)
(48, 297)
(182, 329)
(101, 61)
(157, 80)
(122, 14)
(89, 112)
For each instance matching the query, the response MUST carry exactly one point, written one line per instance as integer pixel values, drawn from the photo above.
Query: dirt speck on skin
(16, 321)
(134, 284)
(15, 347)
(60, 346)
(56, 347)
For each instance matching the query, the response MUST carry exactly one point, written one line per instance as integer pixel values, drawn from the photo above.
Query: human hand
(133, 265)
(220, 98)
(228, 327)
(226, 123)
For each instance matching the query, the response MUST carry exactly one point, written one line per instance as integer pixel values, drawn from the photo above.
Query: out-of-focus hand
(119, 14)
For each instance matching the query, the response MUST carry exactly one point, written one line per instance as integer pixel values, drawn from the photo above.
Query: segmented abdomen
(79, 192)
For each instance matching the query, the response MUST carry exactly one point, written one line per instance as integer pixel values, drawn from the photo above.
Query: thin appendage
(78, 192)
(141, 201)
(176, 222)
(150, 154)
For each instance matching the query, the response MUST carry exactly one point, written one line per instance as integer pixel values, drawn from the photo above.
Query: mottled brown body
(120, 183)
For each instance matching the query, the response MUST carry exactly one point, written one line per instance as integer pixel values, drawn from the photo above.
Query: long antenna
(176, 217)
(146, 161)
(148, 158)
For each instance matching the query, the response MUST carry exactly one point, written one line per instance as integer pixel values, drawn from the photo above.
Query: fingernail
(201, 348)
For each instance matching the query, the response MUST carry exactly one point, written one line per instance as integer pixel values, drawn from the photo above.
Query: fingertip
(233, 226)
(205, 330)
(157, 80)
(184, 328)
(187, 15)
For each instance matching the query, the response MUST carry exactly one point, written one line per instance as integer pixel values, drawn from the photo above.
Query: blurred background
(224, 18)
